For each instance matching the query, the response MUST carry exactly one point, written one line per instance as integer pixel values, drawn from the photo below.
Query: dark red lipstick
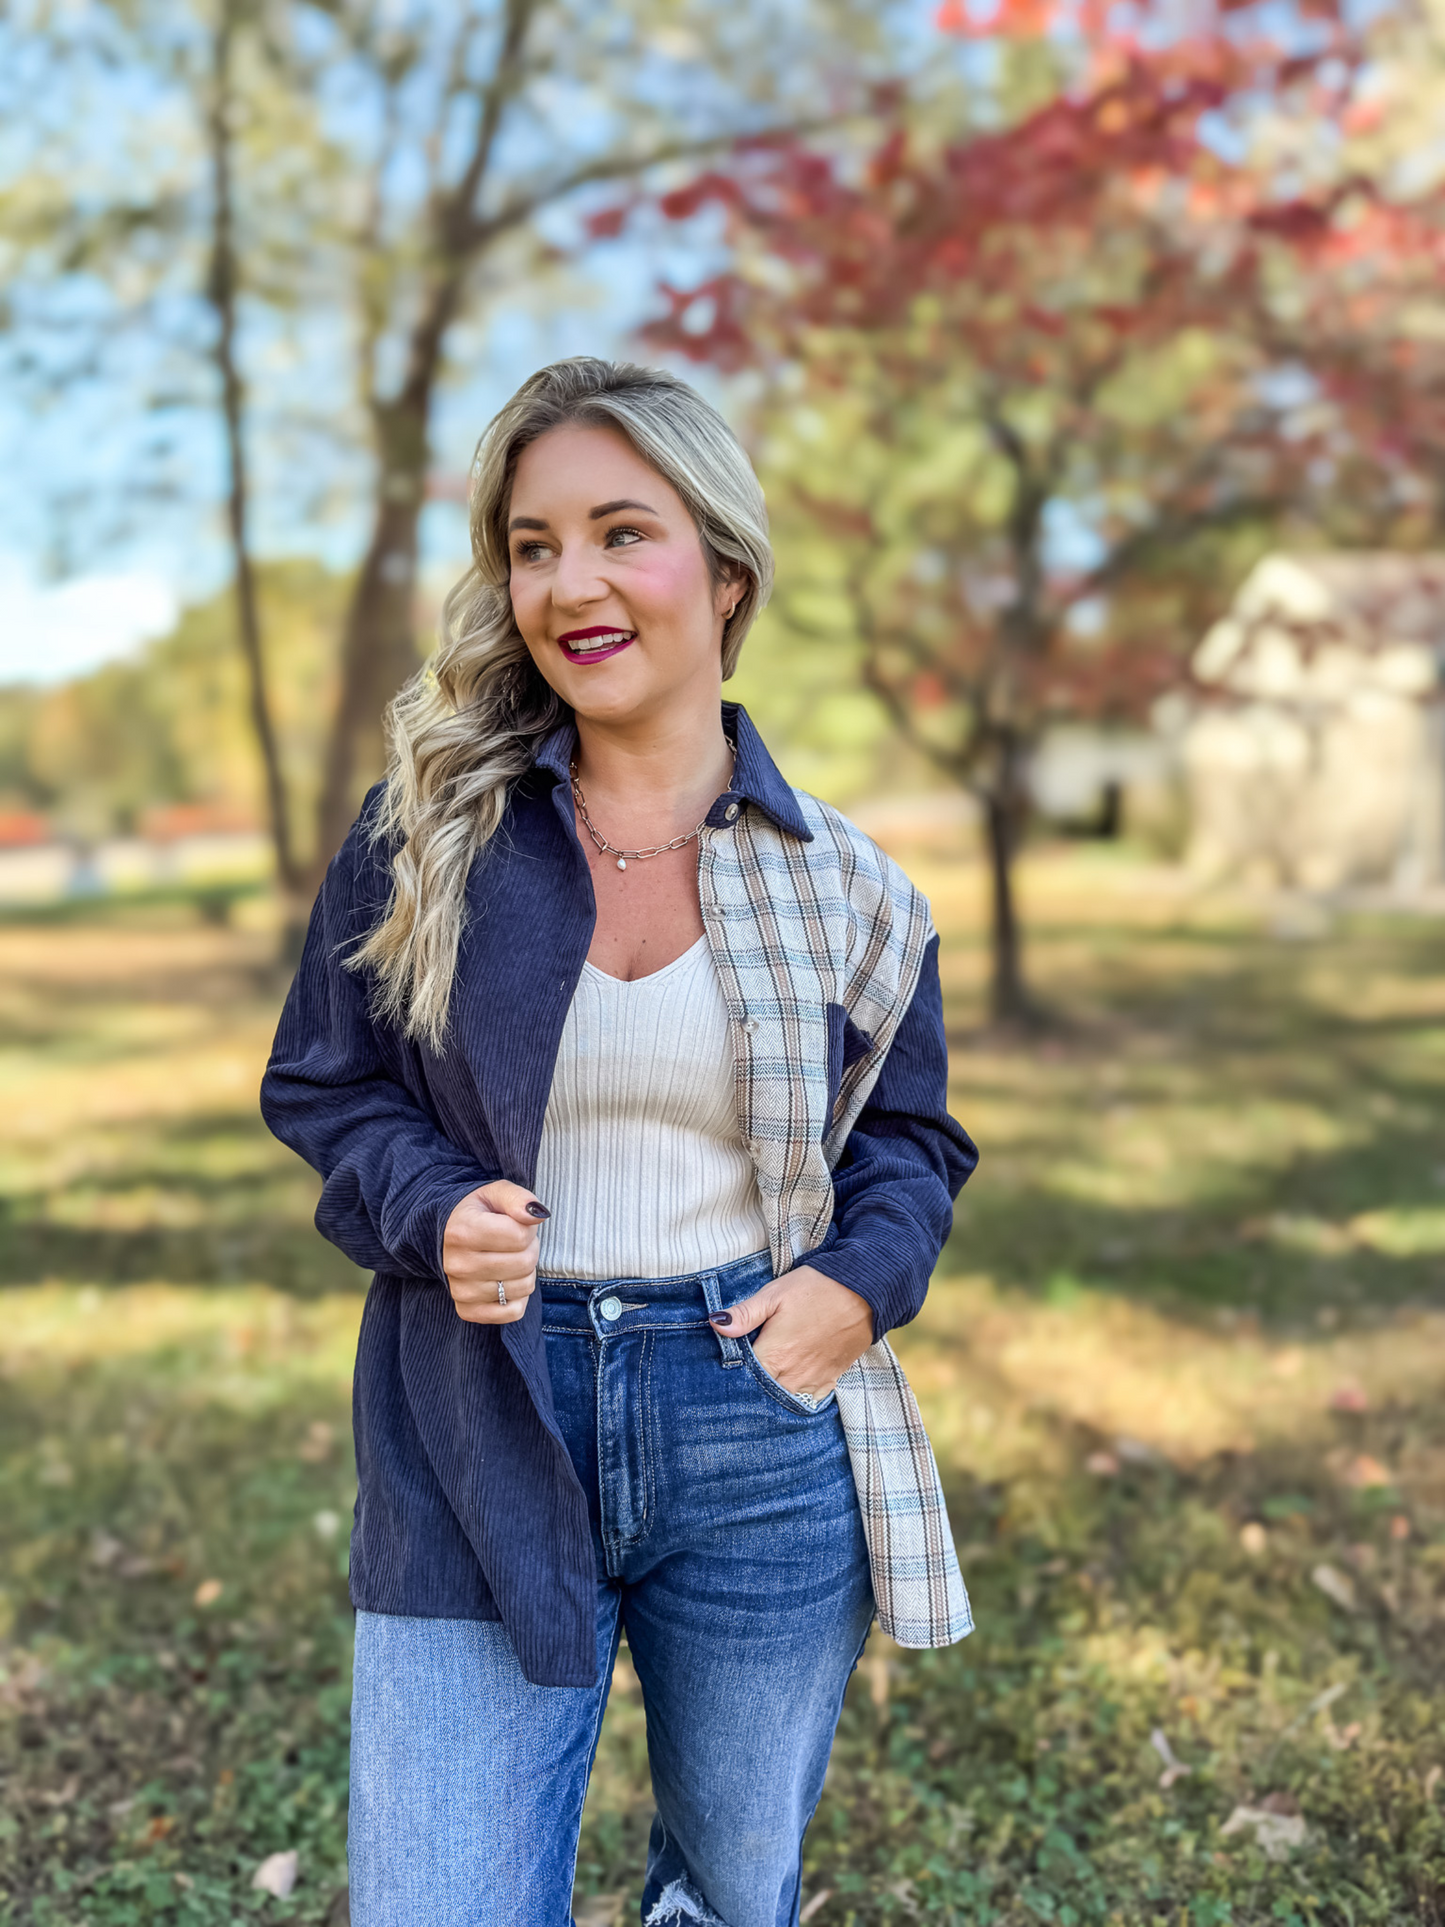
(596, 645)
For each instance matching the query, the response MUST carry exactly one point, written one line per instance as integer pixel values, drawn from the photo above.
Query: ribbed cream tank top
(642, 1162)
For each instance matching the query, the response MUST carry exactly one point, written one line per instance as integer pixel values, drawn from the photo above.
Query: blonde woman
(623, 1065)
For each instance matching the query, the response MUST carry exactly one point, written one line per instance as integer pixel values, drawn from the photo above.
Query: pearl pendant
(622, 863)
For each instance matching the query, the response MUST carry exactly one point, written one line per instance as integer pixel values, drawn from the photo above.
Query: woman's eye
(622, 538)
(529, 551)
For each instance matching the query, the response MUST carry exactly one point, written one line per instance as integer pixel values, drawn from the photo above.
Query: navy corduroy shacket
(468, 1506)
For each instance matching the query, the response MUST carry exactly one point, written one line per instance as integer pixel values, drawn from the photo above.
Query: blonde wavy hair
(466, 726)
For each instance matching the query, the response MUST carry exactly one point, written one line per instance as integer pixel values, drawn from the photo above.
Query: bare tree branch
(617, 167)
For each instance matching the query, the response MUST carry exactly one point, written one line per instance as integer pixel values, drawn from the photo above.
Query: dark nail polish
(535, 1210)
(720, 1318)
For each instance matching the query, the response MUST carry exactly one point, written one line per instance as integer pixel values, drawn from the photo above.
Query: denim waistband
(609, 1306)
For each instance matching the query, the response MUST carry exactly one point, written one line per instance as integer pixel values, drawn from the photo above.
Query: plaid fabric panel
(917, 1586)
(794, 926)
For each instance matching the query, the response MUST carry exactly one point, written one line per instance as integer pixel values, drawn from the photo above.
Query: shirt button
(610, 1308)
(750, 1025)
(730, 812)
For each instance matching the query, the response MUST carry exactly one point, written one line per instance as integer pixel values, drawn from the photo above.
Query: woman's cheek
(675, 586)
(525, 598)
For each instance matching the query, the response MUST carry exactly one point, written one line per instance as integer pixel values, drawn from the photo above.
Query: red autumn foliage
(1037, 279)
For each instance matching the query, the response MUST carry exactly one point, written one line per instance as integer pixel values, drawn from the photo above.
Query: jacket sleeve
(391, 1179)
(905, 1162)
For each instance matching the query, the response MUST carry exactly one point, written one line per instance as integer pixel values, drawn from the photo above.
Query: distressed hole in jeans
(680, 1900)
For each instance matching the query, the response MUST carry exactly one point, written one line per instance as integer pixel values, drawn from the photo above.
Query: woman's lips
(595, 645)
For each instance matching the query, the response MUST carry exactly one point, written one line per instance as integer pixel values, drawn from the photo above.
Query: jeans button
(610, 1308)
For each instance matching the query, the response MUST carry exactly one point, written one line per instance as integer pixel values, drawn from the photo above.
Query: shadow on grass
(210, 1198)
(1229, 1126)
(159, 1748)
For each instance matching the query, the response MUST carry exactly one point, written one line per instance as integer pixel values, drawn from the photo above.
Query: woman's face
(610, 584)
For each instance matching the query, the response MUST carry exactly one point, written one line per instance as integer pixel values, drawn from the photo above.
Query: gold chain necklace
(624, 857)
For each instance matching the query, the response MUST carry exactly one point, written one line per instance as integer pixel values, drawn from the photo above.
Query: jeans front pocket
(797, 1402)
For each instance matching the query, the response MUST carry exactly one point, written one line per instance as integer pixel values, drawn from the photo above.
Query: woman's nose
(577, 580)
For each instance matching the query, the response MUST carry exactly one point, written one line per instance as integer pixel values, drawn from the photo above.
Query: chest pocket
(847, 1046)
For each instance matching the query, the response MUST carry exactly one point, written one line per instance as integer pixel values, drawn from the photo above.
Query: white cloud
(52, 631)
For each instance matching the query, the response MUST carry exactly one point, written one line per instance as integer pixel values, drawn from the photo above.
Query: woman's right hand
(491, 1238)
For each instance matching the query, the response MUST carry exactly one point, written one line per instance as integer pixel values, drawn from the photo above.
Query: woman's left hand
(810, 1329)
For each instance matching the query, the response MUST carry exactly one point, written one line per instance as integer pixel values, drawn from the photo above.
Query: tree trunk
(222, 292)
(378, 653)
(1003, 819)
(378, 650)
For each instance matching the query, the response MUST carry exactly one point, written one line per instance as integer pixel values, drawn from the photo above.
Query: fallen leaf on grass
(62, 1796)
(1275, 1834)
(1173, 1769)
(1349, 1398)
(1343, 1740)
(1280, 1802)
(1362, 1473)
(1103, 1464)
(815, 1903)
(317, 1444)
(1336, 1586)
(276, 1874)
(1254, 1538)
(208, 1592)
(1432, 1780)
(602, 1910)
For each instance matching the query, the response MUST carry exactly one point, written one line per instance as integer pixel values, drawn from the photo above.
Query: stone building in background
(1315, 752)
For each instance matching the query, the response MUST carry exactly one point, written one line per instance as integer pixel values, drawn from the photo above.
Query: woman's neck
(674, 766)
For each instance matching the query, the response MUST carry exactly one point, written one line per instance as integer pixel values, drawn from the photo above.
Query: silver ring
(501, 1293)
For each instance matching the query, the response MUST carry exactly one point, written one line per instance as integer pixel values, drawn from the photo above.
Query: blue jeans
(729, 1549)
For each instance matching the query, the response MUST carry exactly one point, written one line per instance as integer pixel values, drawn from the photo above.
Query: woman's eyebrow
(524, 522)
(611, 508)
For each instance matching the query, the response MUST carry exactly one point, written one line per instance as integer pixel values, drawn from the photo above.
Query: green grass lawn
(1183, 1364)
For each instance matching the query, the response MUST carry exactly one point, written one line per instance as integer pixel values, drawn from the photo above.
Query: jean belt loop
(732, 1351)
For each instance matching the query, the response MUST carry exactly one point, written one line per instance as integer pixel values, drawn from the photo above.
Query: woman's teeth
(585, 646)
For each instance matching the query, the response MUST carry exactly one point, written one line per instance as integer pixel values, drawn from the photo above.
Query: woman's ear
(730, 592)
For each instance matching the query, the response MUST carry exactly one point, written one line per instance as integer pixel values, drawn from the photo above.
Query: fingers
(480, 1243)
(745, 1316)
(465, 1265)
(513, 1201)
(491, 1239)
(477, 1227)
(473, 1278)
(477, 1304)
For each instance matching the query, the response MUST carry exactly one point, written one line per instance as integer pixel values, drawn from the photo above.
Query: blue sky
(111, 461)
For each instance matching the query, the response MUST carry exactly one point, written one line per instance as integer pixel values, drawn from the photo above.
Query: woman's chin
(618, 691)
(612, 700)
